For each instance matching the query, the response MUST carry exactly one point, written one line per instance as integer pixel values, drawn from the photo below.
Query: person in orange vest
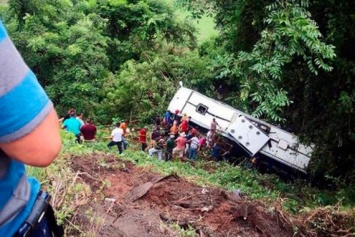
(124, 126)
(174, 129)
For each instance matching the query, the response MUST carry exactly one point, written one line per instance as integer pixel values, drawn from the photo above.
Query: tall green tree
(64, 45)
(290, 35)
(283, 66)
(143, 89)
(135, 26)
(77, 47)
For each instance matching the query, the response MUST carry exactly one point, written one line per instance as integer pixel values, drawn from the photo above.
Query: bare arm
(38, 148)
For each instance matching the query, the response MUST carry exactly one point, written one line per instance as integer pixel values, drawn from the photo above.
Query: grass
(264, 187)
(67, 190)
(205, 26)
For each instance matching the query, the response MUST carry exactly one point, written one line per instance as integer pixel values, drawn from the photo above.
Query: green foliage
(52, 38)
(72, 48)
(290, 33)
(142, 25)
(181, 232)
(143, 90)
(36, 172)
(205, 24)
(271, 59)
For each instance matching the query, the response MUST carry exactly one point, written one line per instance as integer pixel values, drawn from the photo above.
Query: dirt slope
(138, 202)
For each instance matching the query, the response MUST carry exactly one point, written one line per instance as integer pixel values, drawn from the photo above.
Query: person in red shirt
(88, 131)
(193, 132)
(143, 137)
(184, 126)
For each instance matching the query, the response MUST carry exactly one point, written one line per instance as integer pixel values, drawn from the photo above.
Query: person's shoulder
(78, 121)
(65, 122)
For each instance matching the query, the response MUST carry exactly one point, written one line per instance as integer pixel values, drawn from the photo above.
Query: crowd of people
(86, 131)
(171, 136)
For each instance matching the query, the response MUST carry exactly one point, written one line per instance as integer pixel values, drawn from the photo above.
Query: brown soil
(127, 200)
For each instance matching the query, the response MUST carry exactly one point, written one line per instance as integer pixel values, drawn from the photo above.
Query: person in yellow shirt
(184, 117)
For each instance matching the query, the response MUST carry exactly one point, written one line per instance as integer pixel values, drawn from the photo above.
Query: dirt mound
(131, 201)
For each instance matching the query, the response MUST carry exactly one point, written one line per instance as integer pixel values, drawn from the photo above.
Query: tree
(136, 26)
(53, 38)
(76, 49)
(290, 35)
(144, 89)
(278, 64)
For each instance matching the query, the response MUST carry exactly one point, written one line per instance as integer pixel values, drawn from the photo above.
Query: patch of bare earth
(127, 200)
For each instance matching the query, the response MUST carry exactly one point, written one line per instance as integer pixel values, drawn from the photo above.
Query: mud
(127, 200)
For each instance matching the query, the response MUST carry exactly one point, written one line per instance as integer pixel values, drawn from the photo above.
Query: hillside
(289, 63)
(97, 192)
(139, 202)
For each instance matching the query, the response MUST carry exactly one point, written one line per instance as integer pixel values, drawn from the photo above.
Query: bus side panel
(222, 113)
(287, 156)
(248, 135)
(179, 100)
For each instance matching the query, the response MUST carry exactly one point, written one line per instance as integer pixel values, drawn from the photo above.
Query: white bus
(253, 135)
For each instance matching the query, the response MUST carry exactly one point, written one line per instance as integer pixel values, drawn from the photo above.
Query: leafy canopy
(290, 34)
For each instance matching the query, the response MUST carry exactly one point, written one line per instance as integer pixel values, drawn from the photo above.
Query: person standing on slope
(116, 138)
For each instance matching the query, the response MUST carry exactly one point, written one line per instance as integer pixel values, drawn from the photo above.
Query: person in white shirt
(194, 146)
(209, 137)
(116, 138)
(80, 118)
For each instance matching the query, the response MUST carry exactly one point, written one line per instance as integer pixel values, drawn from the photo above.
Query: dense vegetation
(289, 62)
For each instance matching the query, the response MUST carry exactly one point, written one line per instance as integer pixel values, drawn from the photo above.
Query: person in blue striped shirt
(29, 135)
